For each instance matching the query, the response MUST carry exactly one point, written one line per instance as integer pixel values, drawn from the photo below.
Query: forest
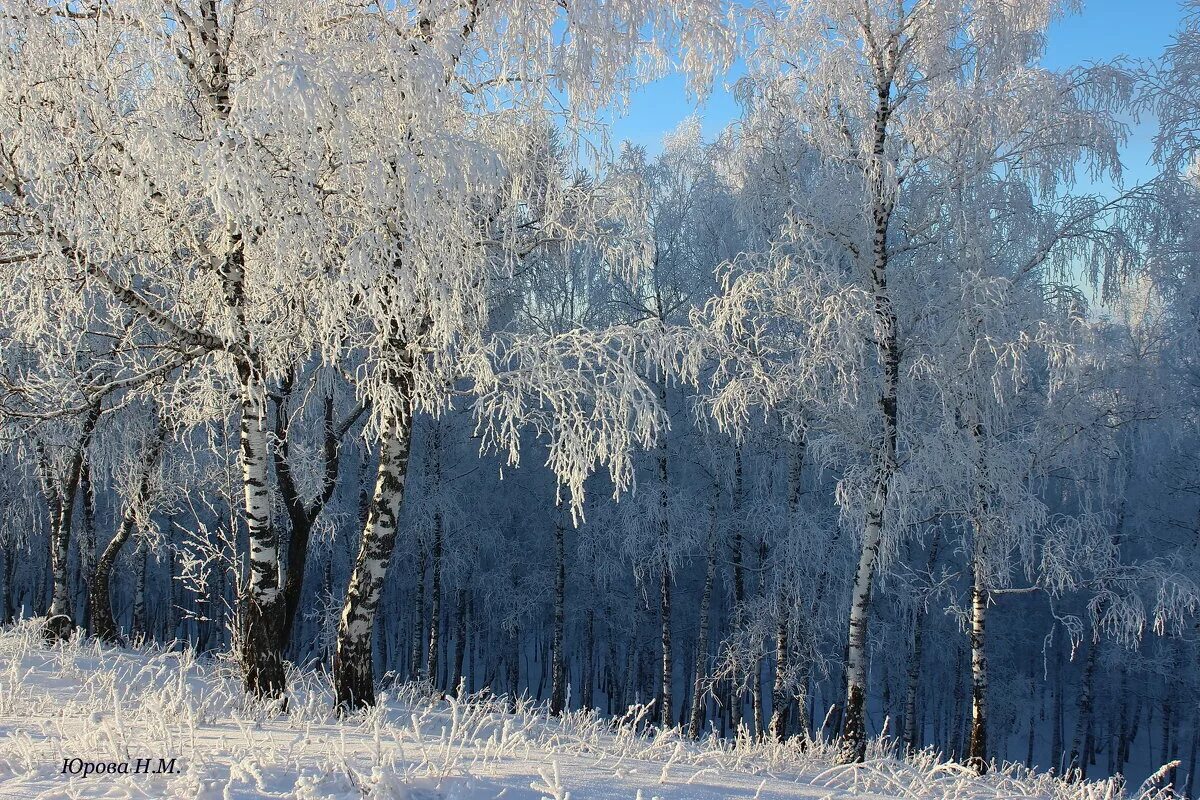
(346, 338)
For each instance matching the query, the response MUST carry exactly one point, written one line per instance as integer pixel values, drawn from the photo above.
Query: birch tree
(443, 215)
(176, 212)
(878, 91)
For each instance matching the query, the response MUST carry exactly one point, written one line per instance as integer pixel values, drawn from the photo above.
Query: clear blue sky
(1104, 30)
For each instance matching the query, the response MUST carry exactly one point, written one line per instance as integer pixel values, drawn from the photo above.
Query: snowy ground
(118, 706)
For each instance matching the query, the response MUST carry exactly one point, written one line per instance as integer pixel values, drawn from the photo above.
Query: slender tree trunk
(514, 666)
(958, 735)
(418, 629)
(1167, 744)
(756, 698)
(61, 495)
(460, 650)
(666, 676)
(6, 599)
(1077, 762)
(435, 600)
(700, 690)
(911, 725)
(587, 694)
(1056, 730)
(1032, 718)
(1192, 756)
(175, 590)
(977, 749)
(435, 588)
(140, 555)
(353, 671)
(87, 541)
(779, 691)
(301, 515)
(739, 588)
(103, 624)
(558, 669)
(854, 731)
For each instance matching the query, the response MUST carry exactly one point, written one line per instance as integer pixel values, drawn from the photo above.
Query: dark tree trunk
(587, 696)
(435, 601)
(87, 542)
(435, 586)
(1077, 763)
(739, 588)
(103, 624)
(416, 650)
(301, 515)
(514, 666)
(700, 690)
(1056, 730)
(140, 555)
(666, 675)
(460, 650)
(6, 599)
(912, 725)
(558, 670)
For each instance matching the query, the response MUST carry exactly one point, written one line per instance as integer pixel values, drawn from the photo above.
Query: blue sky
(1104, 30)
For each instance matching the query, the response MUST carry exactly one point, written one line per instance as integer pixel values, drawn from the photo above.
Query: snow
(103, 704)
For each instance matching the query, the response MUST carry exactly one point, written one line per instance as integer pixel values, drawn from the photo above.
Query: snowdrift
(86, 720)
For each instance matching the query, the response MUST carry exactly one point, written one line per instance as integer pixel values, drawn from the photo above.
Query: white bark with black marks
(353, 671)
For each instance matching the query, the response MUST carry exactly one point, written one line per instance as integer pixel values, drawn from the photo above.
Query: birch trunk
(854, 732)
(665, 578)
(977, 755)
(262, 606)
(353, 671)
(61, 495)
(87, 542)
(779, 691)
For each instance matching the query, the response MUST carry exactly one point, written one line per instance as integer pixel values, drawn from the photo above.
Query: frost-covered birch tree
(456, 198)
(877, 92)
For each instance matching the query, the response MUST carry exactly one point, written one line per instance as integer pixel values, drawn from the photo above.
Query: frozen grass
(102, 704)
